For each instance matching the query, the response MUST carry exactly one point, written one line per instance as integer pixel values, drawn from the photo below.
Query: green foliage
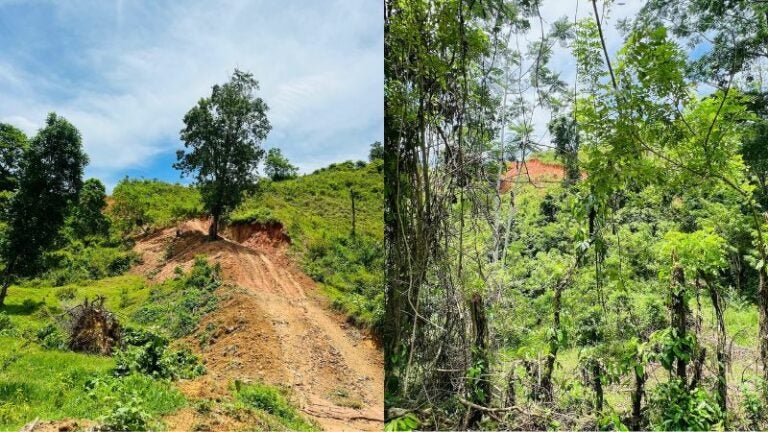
(151, 204)
(127, 416)
(6, 325)
(563, 130)
(148, 353)
(87, 219)
(53, 384)
(258, 215)
(223, 134)
(66, 293)
(77, 262)
(405, 423)
(127, 403)
(669, 346)
(178, 304)
(699, 251)
(277, 167)
(273, 401)
(13, 143)
(753, 404)
(376, 152)
(51, 337)
(49, 182)
(672, 406)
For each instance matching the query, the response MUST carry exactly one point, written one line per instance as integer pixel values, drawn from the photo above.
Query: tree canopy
(222, 139)
(277, 167)
(50, 179)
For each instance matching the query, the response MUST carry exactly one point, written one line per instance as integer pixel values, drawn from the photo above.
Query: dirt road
(273, 327)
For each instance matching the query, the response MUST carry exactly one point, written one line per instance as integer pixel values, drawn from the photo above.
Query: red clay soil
(273, 327)
(532, 171)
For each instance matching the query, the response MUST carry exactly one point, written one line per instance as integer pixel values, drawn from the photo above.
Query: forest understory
(575, 215)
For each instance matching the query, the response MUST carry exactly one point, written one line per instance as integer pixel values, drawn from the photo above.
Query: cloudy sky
(124, 72)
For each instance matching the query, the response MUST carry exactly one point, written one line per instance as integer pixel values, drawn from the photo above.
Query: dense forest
(576, 249)
(189, 307)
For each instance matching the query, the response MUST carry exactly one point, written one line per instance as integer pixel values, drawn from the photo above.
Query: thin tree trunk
(762, 301)
(4, 291)
(511, 381)
(213, 231)
(679, 309)
(481, 387)
(637, 400)
(7, 277)
(722, 383)
(352, 196)
(597, 383)
(554, 345)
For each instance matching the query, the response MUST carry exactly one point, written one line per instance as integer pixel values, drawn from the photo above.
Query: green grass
(319, 204)
(51, 385)
(27, 304)
(54, 384)
(138, 204)
(274, 402)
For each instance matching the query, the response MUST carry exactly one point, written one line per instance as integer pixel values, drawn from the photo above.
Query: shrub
(754, 406)
(260, 215)
(272, 401)
(66, 293)
(672, 406)
(125, 403)
(127, 416)
(179, 304)
(7, 327)
(148, 353)
(51, 337)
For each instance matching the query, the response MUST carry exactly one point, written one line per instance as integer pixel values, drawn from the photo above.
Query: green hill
(316, 212)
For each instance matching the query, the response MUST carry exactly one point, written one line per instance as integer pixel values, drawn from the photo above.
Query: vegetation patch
(177, 305)
(272, 401)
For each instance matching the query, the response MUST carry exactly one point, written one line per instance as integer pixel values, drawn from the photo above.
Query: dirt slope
(273, 327)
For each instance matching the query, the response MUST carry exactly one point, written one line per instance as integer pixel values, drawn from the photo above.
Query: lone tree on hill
(223, 135)
(49, 182)
(278, 167)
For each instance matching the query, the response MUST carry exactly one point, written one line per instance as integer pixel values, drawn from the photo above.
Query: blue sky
(125, 72)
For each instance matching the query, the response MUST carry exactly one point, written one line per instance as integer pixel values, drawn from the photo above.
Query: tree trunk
(213, 231)
(4, 291)
(679, 309)
(352, 196)
(7, 277)
(481, 387)
(511, 381)
(722, 383)
(554, 345)
(762, 301)
(637, 400)
(597, 384)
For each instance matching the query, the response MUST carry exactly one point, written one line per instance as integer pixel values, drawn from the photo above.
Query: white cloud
(139, 66)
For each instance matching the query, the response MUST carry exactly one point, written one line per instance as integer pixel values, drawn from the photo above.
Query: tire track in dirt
(275, 327)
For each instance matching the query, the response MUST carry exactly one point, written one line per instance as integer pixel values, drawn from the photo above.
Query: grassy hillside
(139, 204)
(316, 212)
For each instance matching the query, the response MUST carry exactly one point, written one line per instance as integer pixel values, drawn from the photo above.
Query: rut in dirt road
(276, 328)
